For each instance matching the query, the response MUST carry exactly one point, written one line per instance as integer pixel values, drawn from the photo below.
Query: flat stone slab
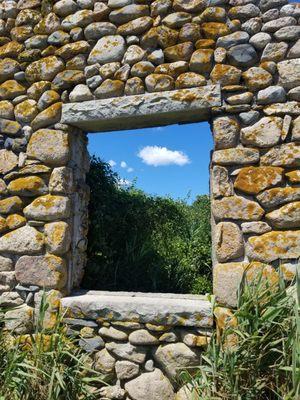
(159, 309)
(141, 111)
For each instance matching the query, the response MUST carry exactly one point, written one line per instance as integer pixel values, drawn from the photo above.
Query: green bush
(258, 358)
(146, 243)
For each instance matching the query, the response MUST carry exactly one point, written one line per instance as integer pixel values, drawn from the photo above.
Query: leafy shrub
(259, 356)
(145, 243)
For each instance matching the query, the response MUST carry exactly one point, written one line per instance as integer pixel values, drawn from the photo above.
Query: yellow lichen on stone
(10, 205)
(293, 176)
(253, 180)
(27, 186)
(15, 221)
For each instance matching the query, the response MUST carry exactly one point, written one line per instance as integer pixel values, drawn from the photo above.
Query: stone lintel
(159, 309)
(141, 111)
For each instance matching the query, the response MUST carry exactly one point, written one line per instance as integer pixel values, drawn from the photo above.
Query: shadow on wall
(139, 242)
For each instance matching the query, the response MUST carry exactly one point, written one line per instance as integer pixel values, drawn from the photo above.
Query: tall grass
(258, 357)
(46, 365)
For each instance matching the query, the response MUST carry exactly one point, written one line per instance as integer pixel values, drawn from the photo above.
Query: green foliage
(47, 365)
(259, 358)
(145, 243)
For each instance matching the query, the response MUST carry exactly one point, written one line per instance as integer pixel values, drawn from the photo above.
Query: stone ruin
(73, 66)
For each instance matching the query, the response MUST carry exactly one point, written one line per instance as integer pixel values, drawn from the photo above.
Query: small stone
(104, 362)
(159, 83)
(288, 33)
(26, 111)
(274, 52)
(175, 356)
(19, 320)
(177, 19)
(79, 19)
(189, 5)
(288, 216)
(272, 94)
(187, 392)
(285, 155)
(242, 55)
(156, 57)
(48, 208)
(260, 40)
(10, 205)
(142, 337)
(112, 392)
(249, 118)
(289, 73)
(97, 30)
(113, 333)
(123, 73)
(253, 180)
(126, 370)
(10, 128)
(289, 271)
(236, 156)
(80, 93)
(110, 88)
(225, 131)
(57, 237)
(142, 69)
(294, 51)
(127, 351)
(108, 49)
(28, 186)
(160, 7)
(257, 78)
(134, 86)
(10, 300)
(25, 240)
(8, 161)
(238, 99)
(179, 52)
(48, 98)
(221, 186)
(49, 146)
(128, 13)
(68, 79)
(11, 89)
(90, 345)
(8, 68)
(237, 207)
(150, 386)
(189, 80)
(133, 55)
(264, 133)
(233, 39)
(274, 245)
(229, 242)
(225, 75)
(63, 8)
(244, 12)
(135, 27)
(15, 221)
(190, 32)
(44, 70)
(214, 30)
(6, 264)
(202, 61)
(258, 227)
(149, 366)
(275, 25)
(278, 196)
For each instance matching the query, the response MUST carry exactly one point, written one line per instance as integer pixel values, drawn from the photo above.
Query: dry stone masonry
(72, 66)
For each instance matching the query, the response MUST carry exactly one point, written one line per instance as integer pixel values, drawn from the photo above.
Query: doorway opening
(150, 210)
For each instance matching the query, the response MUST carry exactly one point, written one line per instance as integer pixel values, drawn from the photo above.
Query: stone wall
(67, 51)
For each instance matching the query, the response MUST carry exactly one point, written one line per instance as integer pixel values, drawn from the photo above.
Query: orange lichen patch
(214, 30)
(46, 202)
(189, 80)
(179, 52)
(202, 61)
(225, 75)
(224, 318)
(205, 44)
(28, 186)
(11, 49)
(11, 89)
(3, 225)
(10, 205)
(15, 221)
(72, 49)
(293, 176)
(253, 180)
(274, 245)
(185, 95)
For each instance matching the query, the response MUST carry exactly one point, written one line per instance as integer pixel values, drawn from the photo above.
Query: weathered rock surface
(236, 156)
(264, 133)
(127, 351)
(57, 237)
(274, 245)
(289, 73)
(220, 183)
(126, 370)
(226, 131)
(19, 320)
(108, 49)
(8, 161)
(285, 155)
(150, 386)
(49, 271)
(285, 217)
(228, 241)
(255, 227)
(237, 207)
(25, 240)
(278, 196)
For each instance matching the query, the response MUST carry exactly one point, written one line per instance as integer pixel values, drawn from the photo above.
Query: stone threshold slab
(159, 309)
(142, 111)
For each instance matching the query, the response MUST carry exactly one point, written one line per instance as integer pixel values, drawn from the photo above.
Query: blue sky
(170, 160)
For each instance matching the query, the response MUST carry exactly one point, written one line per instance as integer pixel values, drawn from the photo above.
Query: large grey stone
(108, 49)
(126, 369)
(127, 351)
(260, 40)
(272, 94)
(264, 133)
(150, 386)
(278, 196)
(242, 55)
(220, 183)
(233, 39)
(185, 105)
(49, 271)
(153, 308)
(226, 131)
(237, 208)
(288, 216)
(236, 156)
(289, 73)
(174, 357)
(48, 208)
(25, 240)
(285, 155)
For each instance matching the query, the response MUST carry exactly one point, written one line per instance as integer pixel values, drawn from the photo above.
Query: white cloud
(130, 169)
(123, 164)
(161, 156)
(112, 163)
(124, 182)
